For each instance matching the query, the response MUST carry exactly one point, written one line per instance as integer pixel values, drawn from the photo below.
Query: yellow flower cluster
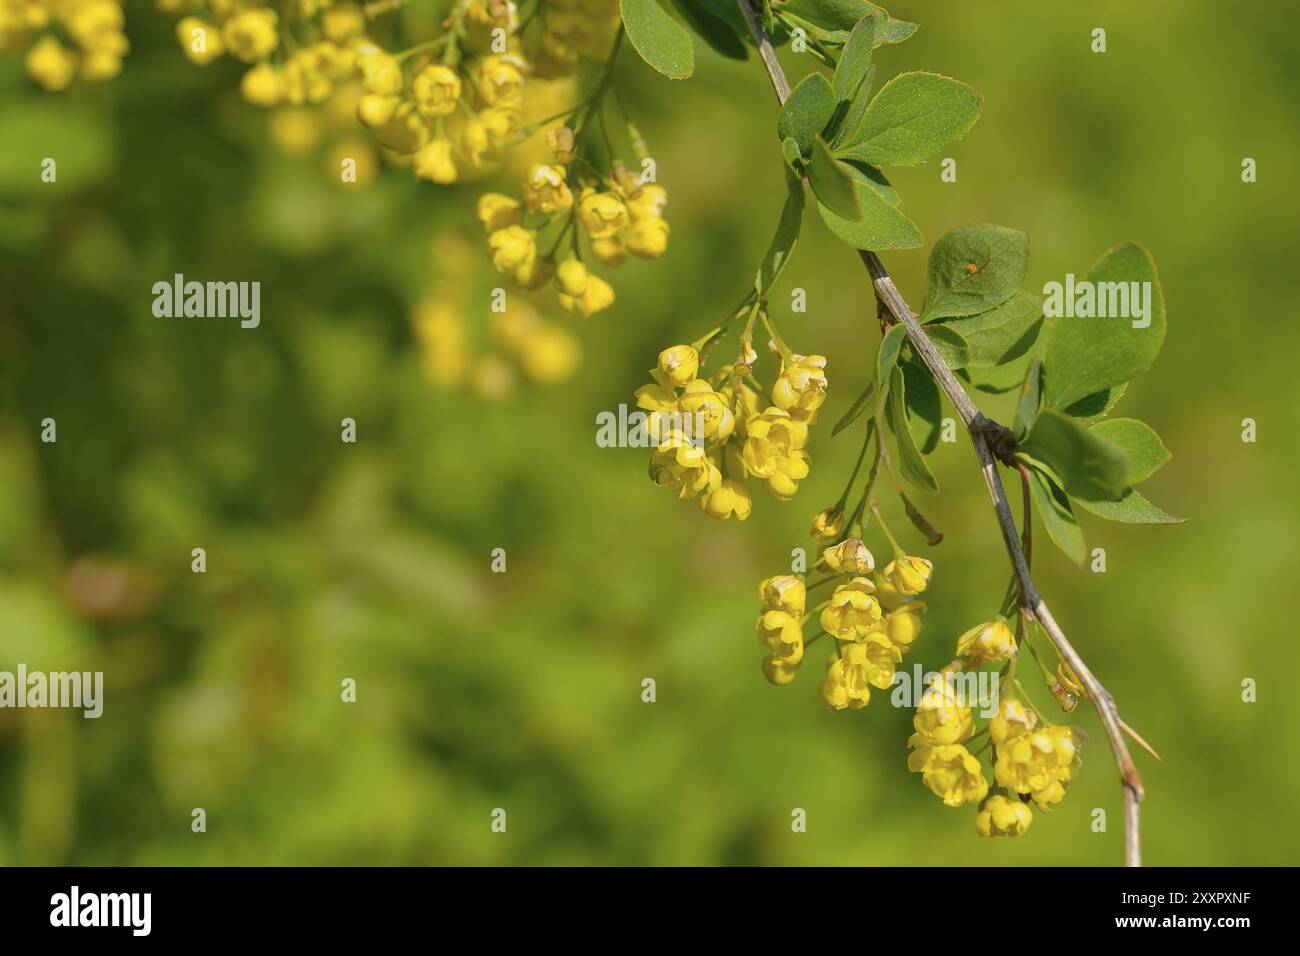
(721, 432)
(520, 342)
(1030, 762)
(65, 39)
(617, 215)
(873, 623)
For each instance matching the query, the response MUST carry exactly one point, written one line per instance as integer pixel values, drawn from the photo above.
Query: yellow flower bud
(380, 73)
(602, 215)
(609, 251)
(647, 238)
(1000, 816)
(433, 162)
(679, 364)
(560, 141)
(599, 295)
(511, 247)
(904, 624)
(343, 21)
(501, 80)
(374, 110)
(534, 273)
(778, 674)
(571, 278)
(730, 498)
(801, 384)
(436, 89)
(545, 190)
(853, 611)
(828, 525)
(649, 203)
(496, 211)
(781, 634)
(502, 125)
(986, 643)
(909, 575)
(252, 34)
(263, 85)
(50, 64)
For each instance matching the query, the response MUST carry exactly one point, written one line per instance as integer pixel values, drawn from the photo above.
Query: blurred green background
(522, 690)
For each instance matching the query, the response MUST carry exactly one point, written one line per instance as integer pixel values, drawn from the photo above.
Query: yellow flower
(783, 592)
(999, 816)
(560, 141)
(649, 203)
(781, 634)
(501, 79)
(882, 656)
(801, 384)
(545, 190)
(436, 89)
(534, 273)
(773, 451)
(853, 611)
(647, 238)
(511, 247)
(406, 132)
(904, 623)
(609, 251)
(252, 34)
(263, 85)
(1037, 763)
(342, 21)
(731, 498)
(1012, 720)
(200, 41)
(373, 110)
(502, 125)
(682, 467)
(598, 295)
(908, 574)
(474, 141)
(848, 679)
(679, 364)
(849, 557)
(602, 215)
(941, 717)
(828, 525)
(660, 403)
(986, 643)
(50, 64)
(950, 772)
(698, 398)
(497, 211)
(433, 162)
(778, 674)
(890, 596)
(380, 72)
(571, 277)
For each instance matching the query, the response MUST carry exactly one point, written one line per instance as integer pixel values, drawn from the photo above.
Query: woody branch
(993, 443)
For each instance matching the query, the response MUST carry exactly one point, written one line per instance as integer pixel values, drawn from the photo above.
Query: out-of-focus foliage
(523, 690)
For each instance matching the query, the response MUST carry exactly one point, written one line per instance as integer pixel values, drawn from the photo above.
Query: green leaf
(895, 31)
(1093, 354)
(1131, 509)
(924, 409)
(806, 112)
(1090, 466)
(1001, 334)
(912, 117)
(950, 345)
(855, 60)
(831, 14)
(662, 42)
(793, 159)
(886, 358)
(1031, 399)
(1003, 378)
(1092, 407)
(1146, 452)
(856, 409)
(1054, 508)
(876, 180)
(832, 183)
(717, 31)
(782, 245)
(974, 268)
(881, 226)
(911, 463)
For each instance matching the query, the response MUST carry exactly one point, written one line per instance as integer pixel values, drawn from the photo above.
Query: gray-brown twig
(990, 441)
